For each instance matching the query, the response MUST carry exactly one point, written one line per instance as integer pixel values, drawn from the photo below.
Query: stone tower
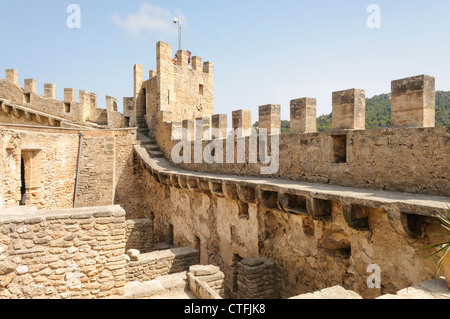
(182, 86)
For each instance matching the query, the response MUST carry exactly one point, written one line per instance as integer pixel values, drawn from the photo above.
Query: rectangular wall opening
(23, 187)
(197, 243)
(234, 266)
(243, 210)
(27, 97)
(67, 107)
(295, 204)
(144, 93)
(170, 235)
(30, 176)
(200, 89)
(340, 149)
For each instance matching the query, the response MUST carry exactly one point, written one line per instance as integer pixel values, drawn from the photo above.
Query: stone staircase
(149, 144)
(172, 286)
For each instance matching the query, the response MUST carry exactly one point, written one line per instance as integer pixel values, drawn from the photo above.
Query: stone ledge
(431, 289)
(408, 203)
(168, 254)
(336, 292)
(137, 290)
(34, 216)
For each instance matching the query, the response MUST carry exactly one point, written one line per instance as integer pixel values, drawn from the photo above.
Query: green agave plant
(444, 247)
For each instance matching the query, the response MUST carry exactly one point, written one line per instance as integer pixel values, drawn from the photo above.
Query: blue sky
(265, 52)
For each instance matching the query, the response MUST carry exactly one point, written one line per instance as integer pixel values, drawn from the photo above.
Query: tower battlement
(26, 103)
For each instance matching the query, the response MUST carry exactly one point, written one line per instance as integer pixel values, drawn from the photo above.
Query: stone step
(144, 139)
(141, 121)
(143, 131)
(159, 286)
(156, 154)
(152, 147)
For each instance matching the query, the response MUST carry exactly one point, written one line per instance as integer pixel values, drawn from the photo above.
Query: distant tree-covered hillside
(378, 113)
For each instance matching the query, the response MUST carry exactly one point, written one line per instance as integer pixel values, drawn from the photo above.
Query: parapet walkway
(404, 209)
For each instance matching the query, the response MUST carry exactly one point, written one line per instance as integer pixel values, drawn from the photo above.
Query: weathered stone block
(303, 115)
(197, 63)
(12, 75)
(30, 86)
(413, 102)
(242, 122)
(270, 118)
(50, 90)
(220, 125)
(203, 128)
(188, 130)
(349, 110)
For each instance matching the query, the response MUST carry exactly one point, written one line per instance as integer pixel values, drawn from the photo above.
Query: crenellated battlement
(348, 111)
(68, 112)
(328, 203)
(347, 155)
(182, 84)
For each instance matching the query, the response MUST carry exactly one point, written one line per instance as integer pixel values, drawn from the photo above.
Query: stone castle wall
(187, 91)
(50, 168)
(411, 156)
(310, 254)
(161, 263)
(316, 236)
(63, 254)
(29, 107)
(407, 160)
(139, 233)
(51, 158)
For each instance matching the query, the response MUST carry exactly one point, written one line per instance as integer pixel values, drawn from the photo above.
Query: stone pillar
(164, 57)
(30, 85)
(413, 102)
(139, 96)
(349, 110)
(206, 282)
(270, 118)
(303, 115)
(203, 128)
(111, 103)
(242, 122)
(183, 58)
(12, 75)
(177, 131)
(87, 102)
(188, 130)
(69, 95)
(197, 63)
(50, 90)
(165, 78)
(220, 124)
(151, 74)
(256, 279)
(208, 67)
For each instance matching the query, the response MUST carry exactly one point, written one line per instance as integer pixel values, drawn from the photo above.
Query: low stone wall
(206, 282)
(161, 263)
(73, 253)
(139, 234)
(256, 279)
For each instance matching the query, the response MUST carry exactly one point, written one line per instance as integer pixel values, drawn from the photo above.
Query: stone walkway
(419, 204)
(432, 289)
(174, 286)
